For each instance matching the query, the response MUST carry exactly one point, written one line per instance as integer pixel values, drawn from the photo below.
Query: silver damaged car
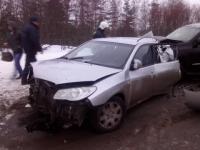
(101, 79)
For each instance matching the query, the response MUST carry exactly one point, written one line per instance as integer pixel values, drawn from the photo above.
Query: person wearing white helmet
(100, 33)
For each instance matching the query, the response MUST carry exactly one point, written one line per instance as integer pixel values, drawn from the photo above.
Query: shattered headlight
(74, 94)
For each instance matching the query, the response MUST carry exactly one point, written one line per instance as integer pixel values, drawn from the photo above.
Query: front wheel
(109, 116)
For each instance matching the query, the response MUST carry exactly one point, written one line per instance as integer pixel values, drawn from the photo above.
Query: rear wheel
(109, 116)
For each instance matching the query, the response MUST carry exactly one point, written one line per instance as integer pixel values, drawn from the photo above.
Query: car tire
(109, 116)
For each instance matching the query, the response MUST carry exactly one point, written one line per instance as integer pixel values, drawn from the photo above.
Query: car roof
(194, 25)
(127, 40)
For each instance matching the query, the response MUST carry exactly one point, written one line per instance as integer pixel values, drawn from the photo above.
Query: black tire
(103, 122)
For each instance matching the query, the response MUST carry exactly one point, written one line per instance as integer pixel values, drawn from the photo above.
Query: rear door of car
(142, 81)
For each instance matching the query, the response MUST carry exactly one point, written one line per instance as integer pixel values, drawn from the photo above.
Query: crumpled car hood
(61, 71)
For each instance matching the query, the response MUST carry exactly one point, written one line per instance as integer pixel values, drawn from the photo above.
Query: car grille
(41, 95)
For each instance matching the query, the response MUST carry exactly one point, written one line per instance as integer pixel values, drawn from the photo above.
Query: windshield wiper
(81, 58)
(74, 58)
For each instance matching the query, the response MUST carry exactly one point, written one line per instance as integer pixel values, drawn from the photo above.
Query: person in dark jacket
(100, 33)
(31, 45)
(14, 42)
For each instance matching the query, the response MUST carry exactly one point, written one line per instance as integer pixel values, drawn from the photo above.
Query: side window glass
(145, 55)
(166, 53)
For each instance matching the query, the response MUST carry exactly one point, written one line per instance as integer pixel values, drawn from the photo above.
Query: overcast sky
(194, 1)
(188, 1)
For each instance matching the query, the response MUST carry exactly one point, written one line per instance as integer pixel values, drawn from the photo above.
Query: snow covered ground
(11, 89)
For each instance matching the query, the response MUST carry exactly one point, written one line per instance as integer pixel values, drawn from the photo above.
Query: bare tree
(195, 17)
(175, 14)
(128, 26)
(114, 17)
(143, 20)
(66, 4)
(155, 19)
(74, 21)
(7, 14)
(54, 21)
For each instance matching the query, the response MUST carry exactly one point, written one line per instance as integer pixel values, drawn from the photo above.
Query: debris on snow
(27, 106)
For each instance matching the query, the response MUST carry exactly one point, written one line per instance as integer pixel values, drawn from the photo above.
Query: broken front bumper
(66, 112)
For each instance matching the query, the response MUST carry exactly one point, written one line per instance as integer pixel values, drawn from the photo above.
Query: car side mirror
(136, 64)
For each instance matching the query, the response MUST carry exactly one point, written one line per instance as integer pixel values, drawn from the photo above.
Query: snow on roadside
(11, 89)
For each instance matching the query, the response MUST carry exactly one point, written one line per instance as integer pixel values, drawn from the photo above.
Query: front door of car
(167, 72)
(142, 78)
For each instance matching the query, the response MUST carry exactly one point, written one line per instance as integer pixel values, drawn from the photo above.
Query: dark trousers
(27, 72)
(17, 58)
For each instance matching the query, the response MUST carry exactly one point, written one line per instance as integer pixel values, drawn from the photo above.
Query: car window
(147, 55)
(165, 53)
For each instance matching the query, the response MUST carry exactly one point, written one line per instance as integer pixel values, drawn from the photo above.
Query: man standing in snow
(100, 33)
(14, 42)
(31, 45)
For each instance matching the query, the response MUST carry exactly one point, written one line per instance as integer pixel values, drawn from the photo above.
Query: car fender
(109, 87)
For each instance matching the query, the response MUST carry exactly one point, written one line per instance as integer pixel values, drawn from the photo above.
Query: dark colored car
(187, 39)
